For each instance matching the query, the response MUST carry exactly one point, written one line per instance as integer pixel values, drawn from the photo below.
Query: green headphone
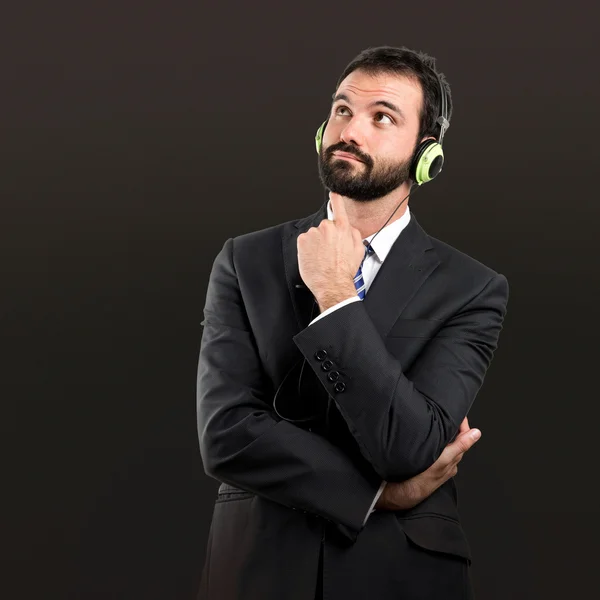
(428, 158)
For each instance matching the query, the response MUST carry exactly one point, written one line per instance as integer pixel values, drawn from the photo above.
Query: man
(340, 356)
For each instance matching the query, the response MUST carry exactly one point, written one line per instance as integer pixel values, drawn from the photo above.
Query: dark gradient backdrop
(136, 137)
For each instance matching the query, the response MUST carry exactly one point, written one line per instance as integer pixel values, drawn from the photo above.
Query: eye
(337, 110)
(380, 114)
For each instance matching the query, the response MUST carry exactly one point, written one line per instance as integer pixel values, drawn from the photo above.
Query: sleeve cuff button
(321, 355)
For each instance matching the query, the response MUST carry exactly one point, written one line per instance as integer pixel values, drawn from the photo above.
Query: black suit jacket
(390, 380)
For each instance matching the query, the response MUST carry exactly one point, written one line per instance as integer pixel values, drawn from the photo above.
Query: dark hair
(410, 63)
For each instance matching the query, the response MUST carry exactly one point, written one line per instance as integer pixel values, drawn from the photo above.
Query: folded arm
(244, 444)
(403, 424)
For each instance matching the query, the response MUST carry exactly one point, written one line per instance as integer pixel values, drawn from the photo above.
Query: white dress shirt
(381, 245)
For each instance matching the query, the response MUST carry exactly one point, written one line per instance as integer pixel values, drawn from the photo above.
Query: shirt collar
(384, 240)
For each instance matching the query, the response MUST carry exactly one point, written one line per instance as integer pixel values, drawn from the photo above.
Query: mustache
(341, 147)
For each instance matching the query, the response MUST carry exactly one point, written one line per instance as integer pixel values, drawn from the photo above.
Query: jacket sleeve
(403, 424)
(243, 442)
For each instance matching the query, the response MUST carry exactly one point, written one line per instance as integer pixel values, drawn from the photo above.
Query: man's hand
(406, 494)
(329, 256)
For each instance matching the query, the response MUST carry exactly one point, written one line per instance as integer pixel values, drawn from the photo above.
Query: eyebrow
(385, 103)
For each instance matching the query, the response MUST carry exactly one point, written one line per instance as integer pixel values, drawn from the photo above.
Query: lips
(347, 155)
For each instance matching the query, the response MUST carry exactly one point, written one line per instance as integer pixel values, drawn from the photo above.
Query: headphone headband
(442, 119)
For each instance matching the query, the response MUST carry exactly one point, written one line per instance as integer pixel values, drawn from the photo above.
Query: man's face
(371, 135)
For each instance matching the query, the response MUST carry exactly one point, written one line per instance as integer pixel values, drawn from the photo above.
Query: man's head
(386, 103)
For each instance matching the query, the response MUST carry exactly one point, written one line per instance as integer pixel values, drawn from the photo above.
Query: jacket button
(326, 366)
(333, 376)
(321, 355)
(340, 386)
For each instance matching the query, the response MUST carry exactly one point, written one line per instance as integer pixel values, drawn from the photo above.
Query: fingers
(339, 209)
(454, 452)
(464, 426)
(445, 467)
(465, 441)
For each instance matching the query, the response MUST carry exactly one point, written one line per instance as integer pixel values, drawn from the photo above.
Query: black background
(138, 136)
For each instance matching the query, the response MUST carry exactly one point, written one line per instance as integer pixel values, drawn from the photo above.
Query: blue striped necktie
(359, 282)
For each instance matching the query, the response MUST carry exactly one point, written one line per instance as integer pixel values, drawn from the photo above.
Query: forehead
(362, 87)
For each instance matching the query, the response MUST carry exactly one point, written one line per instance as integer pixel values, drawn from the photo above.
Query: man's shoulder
(461, 273)
(458, 260)
(266, 234)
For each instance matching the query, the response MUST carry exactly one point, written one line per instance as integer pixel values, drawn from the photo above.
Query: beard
(361, 182)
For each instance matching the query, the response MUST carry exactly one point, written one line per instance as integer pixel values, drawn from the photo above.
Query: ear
(429, 137)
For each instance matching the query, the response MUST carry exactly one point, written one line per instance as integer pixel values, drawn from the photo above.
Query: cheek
(401, 149)
(331, 135)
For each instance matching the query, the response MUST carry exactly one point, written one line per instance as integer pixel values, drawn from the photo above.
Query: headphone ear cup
(427, 162)
(319, 136)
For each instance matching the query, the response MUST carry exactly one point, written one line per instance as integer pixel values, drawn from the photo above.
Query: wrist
(331, 298)
(403, 495)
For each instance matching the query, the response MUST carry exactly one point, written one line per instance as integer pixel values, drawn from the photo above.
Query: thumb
(465, 441)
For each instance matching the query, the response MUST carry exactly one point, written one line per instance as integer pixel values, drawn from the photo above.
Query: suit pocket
(419, 328)
(436, 533)
(228, 493)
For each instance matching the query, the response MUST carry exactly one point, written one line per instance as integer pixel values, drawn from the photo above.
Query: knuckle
(463, 446)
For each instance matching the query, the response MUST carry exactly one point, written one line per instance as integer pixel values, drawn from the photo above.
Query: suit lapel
(408, 264)
(410, 261)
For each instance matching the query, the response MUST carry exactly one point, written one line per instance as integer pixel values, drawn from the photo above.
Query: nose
(352, 133)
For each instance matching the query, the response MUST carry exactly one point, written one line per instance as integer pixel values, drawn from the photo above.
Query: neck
(369, 217)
